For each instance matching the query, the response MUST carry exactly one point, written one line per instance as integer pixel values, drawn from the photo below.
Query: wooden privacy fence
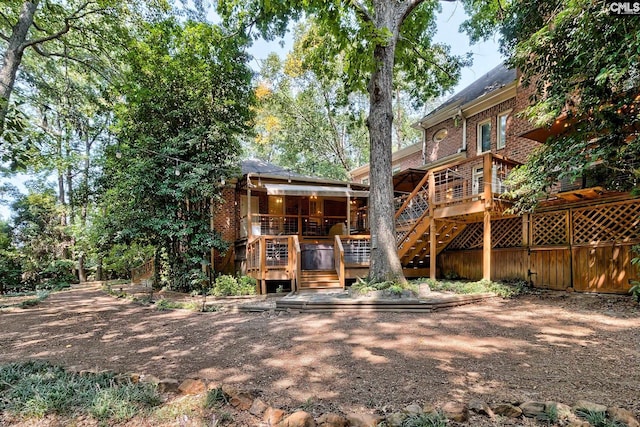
(588, 248)
(143, 272)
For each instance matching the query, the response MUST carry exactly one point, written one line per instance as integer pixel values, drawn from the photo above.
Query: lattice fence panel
(549, 229)
(506, 233)
(616, 222)
(470, 238)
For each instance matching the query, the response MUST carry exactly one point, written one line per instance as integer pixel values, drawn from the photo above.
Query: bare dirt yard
(548, 346)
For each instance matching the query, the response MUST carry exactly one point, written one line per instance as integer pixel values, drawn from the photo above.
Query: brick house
(449, 201)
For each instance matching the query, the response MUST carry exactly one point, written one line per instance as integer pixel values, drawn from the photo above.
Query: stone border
(547, 413)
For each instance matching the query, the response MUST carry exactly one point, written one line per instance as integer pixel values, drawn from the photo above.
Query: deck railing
(351, 252)
(309, 225)
(267, 255)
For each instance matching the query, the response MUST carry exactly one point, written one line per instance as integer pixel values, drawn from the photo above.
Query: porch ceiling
(313, 190)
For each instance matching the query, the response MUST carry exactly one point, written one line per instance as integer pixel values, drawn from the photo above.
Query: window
(440, 135)
(365, 181)
(478, 180)
(484, 137)
(502, 129)
(396, 170)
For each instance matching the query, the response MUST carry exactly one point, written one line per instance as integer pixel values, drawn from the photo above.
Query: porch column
(486, 247)
(349, 213)
(249, 225)
(433, 248)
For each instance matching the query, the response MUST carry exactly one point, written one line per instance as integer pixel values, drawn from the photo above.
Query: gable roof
(261, 166)
(497, 78)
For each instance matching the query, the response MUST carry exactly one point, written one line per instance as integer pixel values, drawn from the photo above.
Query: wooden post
(249, 224)
(525, 229)
(433, 247)
(262, 247)
(487, 178)
(486, 247)
(348, 214)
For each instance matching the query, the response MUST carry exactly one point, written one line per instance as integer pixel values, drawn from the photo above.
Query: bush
(227, 285)
(504, 290)
(58, 275)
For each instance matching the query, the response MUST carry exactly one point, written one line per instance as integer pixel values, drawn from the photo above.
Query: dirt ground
(550, 346)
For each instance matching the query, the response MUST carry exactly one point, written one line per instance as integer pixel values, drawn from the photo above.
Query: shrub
(227, 285)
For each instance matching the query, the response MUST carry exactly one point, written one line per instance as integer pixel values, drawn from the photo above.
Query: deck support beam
(486, 247)
(433, 247)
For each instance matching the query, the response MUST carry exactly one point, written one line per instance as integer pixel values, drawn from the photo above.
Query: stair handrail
(415, 191)
(338, 253)
(139, 272)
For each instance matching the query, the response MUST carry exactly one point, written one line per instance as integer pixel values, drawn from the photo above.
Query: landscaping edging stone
(547, 413)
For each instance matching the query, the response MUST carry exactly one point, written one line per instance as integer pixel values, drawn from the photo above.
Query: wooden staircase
(413, 227)
(318, 279)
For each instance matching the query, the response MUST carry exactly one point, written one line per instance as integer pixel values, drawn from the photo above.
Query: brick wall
(492, 115)
(448, 146)
(519, 148)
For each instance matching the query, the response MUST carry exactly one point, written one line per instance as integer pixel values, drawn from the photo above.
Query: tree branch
(421, 56)
(87, 64)
(4, 37)
(3, 16)
(67, 26)
(361, 9)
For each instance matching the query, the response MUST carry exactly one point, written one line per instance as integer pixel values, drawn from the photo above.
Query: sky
(485, 57)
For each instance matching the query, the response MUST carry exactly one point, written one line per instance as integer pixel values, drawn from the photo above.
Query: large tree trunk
(385, 264)
(13, 56)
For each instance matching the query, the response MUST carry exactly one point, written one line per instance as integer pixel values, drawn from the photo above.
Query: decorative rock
(586, 406)
(413, 409)
(456, 411)
(564, 411)
(192, 386)
(168, 385)
(332, 420)
(149, 379)
(272, 416)
(533, 409)
(298, 419)
(258, 407)
(623, 416)
(507, 410)
(239, 399)
(395, 419)
(242, 401)
(364, 420)
(423, 290)
(480, 407)
(429, 408)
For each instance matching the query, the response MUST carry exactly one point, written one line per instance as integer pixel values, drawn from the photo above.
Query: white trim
(505, 114)
(312, 190)
(479, 149)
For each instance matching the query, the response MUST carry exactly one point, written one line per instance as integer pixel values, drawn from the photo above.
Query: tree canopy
(187, 98)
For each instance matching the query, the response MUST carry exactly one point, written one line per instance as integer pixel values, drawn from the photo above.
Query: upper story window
(365, 181)
(440, 135)
(395, 170)
(484, 136)
(502, 129)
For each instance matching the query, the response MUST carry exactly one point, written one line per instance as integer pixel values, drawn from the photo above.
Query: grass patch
(425, 420)
(598, 419)
(363, 287)
(34, 389)
(504, 290)
(165, 304)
